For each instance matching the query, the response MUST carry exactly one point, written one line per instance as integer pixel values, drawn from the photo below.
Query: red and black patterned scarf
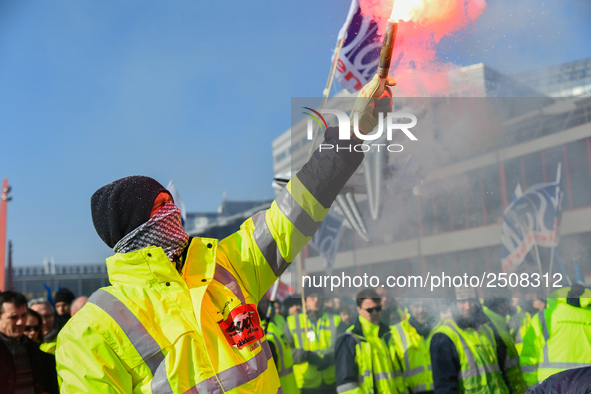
(164, 229)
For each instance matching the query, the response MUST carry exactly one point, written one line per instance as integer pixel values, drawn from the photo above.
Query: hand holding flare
(376, 96)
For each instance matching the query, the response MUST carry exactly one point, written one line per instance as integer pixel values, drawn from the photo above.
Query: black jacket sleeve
(571, 381)
(346, 370)
(445, 364)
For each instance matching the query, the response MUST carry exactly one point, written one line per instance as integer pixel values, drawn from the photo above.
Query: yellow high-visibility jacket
(411, 351)
(558, 338)
(157, 331)
(512, 369)
(284, 363)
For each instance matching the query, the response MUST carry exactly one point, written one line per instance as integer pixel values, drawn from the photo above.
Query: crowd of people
(371, 344)
(421, 345)
(180, 315)
(28, 335)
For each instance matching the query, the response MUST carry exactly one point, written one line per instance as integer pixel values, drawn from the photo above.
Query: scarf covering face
(164, 229)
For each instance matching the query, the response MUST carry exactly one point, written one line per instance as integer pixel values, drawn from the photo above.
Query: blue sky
(192, 92)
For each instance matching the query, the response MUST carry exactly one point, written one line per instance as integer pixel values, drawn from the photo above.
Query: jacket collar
(142, 267)
(358, 328)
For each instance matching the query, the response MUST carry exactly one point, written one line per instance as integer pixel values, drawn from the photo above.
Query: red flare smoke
(414, 64)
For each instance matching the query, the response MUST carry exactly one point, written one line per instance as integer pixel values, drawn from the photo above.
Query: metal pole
(3, 203)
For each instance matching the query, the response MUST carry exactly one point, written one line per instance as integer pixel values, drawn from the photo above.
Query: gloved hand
(313, 358)
(326, 362)
(375, 97)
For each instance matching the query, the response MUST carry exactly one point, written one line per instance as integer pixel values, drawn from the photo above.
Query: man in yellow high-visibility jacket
(408, 344)
(496, 310)
(362, 362)
(558, 338)
(466, 355)
(181, 315)
(279, 348)
(312, 337)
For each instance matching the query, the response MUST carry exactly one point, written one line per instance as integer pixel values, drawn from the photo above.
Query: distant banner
(358, 60)
(327, 239)
(531, 218)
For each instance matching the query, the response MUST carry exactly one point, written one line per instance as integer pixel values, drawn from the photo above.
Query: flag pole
(300, 264)
(558, 171)
(326, 91)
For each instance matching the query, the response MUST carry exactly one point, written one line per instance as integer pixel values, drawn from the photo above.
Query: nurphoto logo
(389, 124)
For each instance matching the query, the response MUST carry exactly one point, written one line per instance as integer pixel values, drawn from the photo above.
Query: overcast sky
(189, 91)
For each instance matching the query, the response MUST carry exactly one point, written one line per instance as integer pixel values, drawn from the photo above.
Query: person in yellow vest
(408, 343)
(558, 338)
(180, 315)
(312, 337)
(519, 320)
(496, 310)
(361, 354)
(466, 355)
(292, 305)
(280, 349)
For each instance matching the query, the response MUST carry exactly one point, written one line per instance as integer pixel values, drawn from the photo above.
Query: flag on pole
(531, 218)
(178, 201)
(358, 59)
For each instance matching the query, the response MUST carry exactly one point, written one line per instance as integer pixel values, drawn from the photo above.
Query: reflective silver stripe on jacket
(299, 332)
(140, 338)
(267, 245)
(402, 336)
(224, 276)
(474, 370)
(279, 347)
(408, 372)
(547, 363)
(235, 376)
(286, 371)
(511, 362)
(418, 389)
(332, 327)
(382, 376)
(342, 388)
(151, 352)
(296, 214)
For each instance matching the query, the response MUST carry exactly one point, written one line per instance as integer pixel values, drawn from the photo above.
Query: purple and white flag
(358, 59)
(531, 218)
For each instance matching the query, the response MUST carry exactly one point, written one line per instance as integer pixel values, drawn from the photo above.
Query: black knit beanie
(123, 205)
(64, 295)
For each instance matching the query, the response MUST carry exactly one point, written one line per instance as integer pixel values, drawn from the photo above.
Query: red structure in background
(4, 198)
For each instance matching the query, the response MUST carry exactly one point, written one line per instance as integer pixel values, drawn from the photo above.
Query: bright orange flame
(422, 25)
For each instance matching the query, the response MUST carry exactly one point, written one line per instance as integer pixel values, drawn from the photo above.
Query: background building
(441, 210)
(564, 80)
(82, 279)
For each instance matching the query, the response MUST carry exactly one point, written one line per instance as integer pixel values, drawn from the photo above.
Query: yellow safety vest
(477, 352)
(512, 369)
(412, 353)
(48, 347)
(155, 331)
(558, 339)
(522, 322)
(376, 372)
(276, 336)
(320, 339)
